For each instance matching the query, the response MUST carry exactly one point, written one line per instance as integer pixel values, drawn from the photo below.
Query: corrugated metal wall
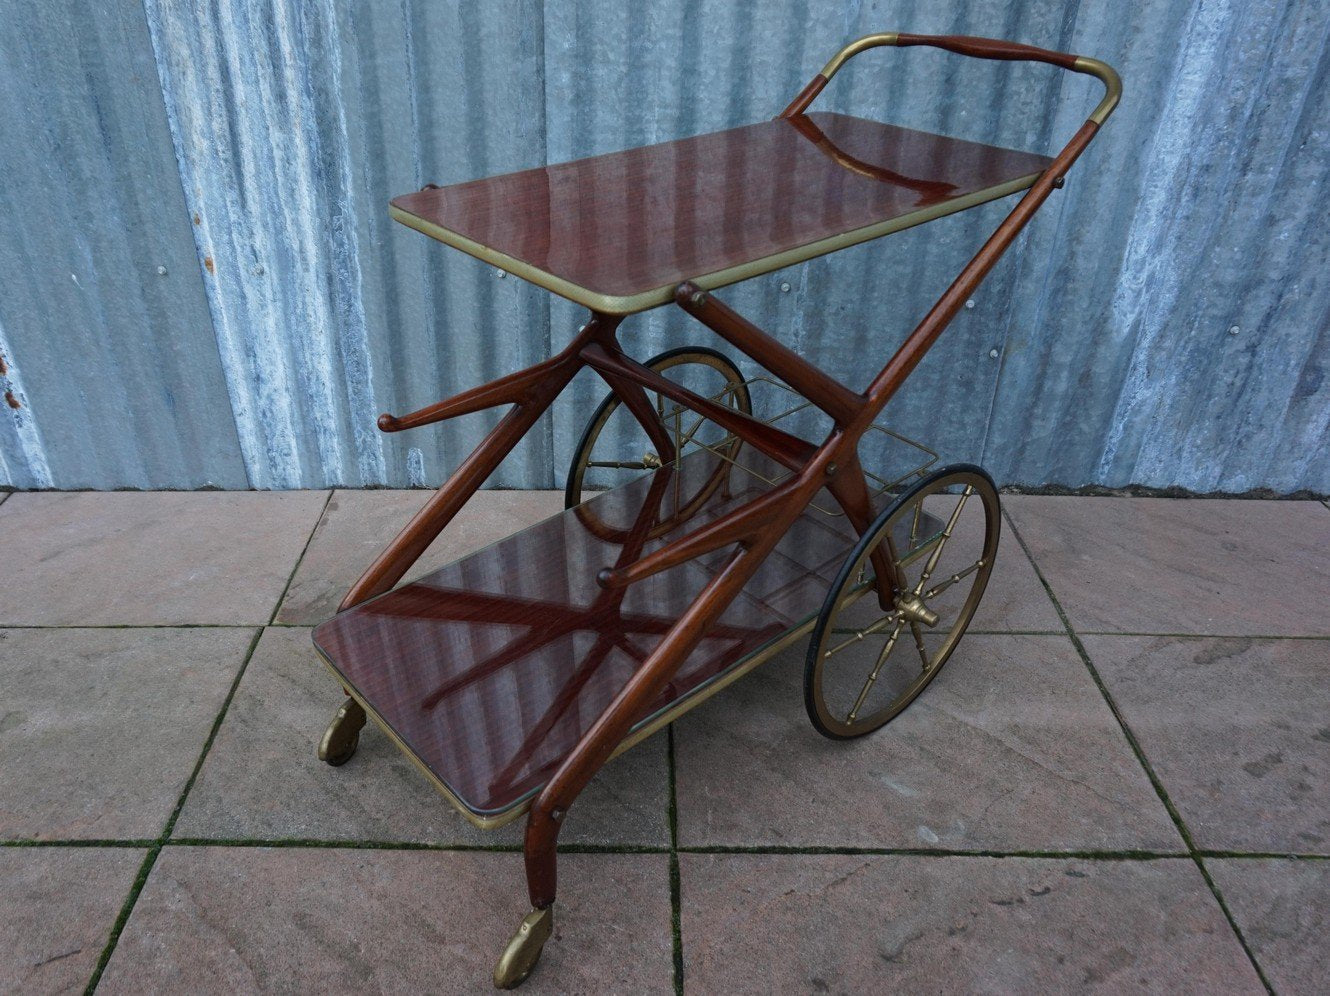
(199, 284)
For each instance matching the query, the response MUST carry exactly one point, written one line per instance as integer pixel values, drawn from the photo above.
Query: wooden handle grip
(989, 48)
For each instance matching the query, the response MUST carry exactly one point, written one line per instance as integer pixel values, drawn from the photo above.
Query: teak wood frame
(756, 527)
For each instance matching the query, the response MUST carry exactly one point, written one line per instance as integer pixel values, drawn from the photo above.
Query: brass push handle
(979, 48)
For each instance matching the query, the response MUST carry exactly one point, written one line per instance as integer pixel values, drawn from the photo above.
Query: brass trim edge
(482, 822)
(854, 48)
(1107, 75)
(654, 725)
(632, 304)
(717, 684)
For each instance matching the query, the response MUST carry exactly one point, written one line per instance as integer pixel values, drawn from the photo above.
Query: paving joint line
(971, 632)
(249, 625)
(318, 521)
(811, 850)
(150, 859)
(1135, 745)
(933, 852)
(676, 881)
(1262, 855)
(1201, 636)
(1010, 632)
(319, 843)
(132, 842)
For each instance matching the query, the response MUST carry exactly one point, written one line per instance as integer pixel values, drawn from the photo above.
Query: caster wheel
(342, 737)
(866, 661)
(523, 950)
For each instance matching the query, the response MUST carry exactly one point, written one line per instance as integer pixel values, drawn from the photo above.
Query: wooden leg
(541, 842)
(850, 489)
(523, 949)
(596, 746)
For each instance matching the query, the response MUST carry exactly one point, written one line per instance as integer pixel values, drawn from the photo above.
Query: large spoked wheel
(614, 447)
(867, 662)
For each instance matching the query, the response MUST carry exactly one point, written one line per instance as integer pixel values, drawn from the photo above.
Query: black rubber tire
(812, 693)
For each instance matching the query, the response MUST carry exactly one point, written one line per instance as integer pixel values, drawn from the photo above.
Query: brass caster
(342, 736)
(523, 951)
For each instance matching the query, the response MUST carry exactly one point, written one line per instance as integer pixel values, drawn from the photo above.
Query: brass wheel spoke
(942, 541)
(894, 559)
(877, 668)
(956, 578)
(919, 644)
(687, 437)
(875, 627)
(682, 436)
(701, 420)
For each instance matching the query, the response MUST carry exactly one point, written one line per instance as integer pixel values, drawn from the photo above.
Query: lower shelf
(488, 672)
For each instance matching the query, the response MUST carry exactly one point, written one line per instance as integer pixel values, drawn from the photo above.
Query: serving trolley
(704, 531)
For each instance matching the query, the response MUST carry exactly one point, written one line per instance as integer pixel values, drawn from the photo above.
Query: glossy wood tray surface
(617, 233)
(489, 671)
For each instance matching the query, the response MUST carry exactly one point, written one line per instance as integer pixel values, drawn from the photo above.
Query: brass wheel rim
(901, 639)
(681, 423)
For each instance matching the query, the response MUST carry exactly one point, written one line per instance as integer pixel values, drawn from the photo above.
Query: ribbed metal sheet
(249, 150)
(293, 123)
(104, 327)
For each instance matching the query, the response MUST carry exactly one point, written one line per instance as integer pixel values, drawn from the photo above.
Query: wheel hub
(912, 609)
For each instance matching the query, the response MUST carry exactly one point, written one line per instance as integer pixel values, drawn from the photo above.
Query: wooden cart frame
(751, 530)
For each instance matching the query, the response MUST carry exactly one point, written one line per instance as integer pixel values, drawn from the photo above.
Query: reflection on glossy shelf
(618, 232)
(491, 669)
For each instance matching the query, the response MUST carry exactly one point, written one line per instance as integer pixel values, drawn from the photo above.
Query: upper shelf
(617, 233)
